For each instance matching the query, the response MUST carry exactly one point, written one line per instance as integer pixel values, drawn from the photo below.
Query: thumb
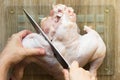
(74, 70)
(35, 51)
(74, 65)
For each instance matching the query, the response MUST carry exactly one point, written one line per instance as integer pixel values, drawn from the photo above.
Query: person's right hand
(78, 73)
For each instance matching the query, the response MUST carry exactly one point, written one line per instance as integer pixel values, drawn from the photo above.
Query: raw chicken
(83, 48)
(62, 30)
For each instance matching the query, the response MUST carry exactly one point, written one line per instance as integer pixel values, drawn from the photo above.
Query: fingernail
(74, 63)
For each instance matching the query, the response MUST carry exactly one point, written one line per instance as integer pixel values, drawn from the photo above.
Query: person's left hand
(14, 51)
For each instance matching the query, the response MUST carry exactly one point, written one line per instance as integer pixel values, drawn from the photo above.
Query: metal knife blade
(57, 54)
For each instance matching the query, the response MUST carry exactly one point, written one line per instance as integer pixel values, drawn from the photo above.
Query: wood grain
(9, 24)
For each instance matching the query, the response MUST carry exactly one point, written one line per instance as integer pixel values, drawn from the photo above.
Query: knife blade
(56, 52)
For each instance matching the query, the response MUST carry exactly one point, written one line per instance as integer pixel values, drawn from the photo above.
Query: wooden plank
(13, 25)
(6, 23)
(2, 25)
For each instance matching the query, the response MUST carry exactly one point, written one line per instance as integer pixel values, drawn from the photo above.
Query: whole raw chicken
(62, 30)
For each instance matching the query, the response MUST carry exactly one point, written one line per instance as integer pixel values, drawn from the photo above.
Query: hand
(14, 52)
(77, 73)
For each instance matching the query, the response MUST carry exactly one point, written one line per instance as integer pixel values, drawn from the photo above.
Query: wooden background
(103, 15)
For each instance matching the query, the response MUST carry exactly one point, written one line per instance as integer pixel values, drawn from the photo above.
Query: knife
(56, 52)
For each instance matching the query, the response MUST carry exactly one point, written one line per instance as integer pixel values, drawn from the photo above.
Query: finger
(74, 65)
(35, 51)
(23, 33)
(66, 74)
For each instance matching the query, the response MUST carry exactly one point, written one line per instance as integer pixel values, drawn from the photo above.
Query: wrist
(4, 67)
(4, 62)
(5, 58)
